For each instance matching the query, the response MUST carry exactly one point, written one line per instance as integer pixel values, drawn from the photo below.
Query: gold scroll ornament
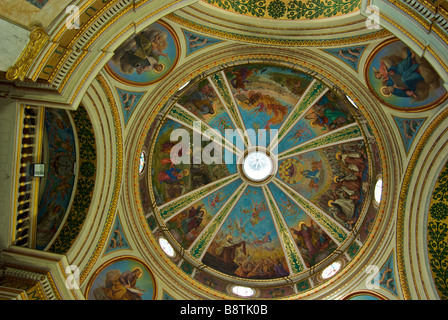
(38, 39)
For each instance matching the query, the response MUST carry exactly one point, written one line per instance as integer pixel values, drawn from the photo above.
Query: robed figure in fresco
(141, 52)
(226, 251)
(406, 76)
(120, 286)
(401, 79)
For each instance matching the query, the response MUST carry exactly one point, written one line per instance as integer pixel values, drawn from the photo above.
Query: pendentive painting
(145, 57)
(124, 279)
(402, 79)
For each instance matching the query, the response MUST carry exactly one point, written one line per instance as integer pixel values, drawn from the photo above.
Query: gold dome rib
(338, 234)
(203, 241)
(295, 260)
(312, 94)
(345, 134)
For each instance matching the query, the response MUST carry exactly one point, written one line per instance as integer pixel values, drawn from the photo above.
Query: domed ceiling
(230, 149)
(259, 173)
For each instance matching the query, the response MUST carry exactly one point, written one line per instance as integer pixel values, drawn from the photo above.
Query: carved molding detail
(38, 39)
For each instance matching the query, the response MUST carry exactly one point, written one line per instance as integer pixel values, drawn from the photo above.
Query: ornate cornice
(278, 42)
(403, 198)
(38, 39)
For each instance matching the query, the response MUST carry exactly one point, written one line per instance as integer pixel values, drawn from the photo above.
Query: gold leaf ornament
(38, 39)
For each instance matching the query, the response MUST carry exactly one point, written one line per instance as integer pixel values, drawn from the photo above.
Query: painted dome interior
(224, 149)
(314, 208)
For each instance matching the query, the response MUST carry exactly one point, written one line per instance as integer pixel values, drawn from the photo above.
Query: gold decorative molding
(38, 39)
(403, 197)
(118, 178)
(410, 11)
(32, 280)
(274, 31)
(279, 42)
(29, 289)
(429, 26)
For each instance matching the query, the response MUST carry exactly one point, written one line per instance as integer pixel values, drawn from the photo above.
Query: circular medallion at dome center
(257, 166)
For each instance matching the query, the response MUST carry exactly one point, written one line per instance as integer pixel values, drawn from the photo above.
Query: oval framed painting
(123, 278)
(145, 57)
(401, 79)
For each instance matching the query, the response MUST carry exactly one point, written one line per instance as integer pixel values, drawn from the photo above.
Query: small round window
(243, 291)
(331, 270)
(166, 247)
(142, 163)
(352, 102)
(378, 190)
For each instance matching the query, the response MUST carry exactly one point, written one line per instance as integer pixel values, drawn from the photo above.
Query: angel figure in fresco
(116, 241)
(387, 277)
(216, 200)
(195, 41)
(240, 79)
(120, 286)
(141, 52)
(128, 100)
(239, 225)
(255, 210)
(288, 207)
(258, 102)
(302, 132)
(409, 128)
(351, 54)
(407, 76)
(260, 242)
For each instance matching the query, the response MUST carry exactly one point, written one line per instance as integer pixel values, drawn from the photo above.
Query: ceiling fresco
(145, 57)
(229, 143)
(402, 80)
(60, 175)
(437, 232)
(302, 215)
(125, 278)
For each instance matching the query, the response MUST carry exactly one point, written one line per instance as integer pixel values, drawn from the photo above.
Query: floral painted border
(438, 234)
(291, 10)
(85, 184)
